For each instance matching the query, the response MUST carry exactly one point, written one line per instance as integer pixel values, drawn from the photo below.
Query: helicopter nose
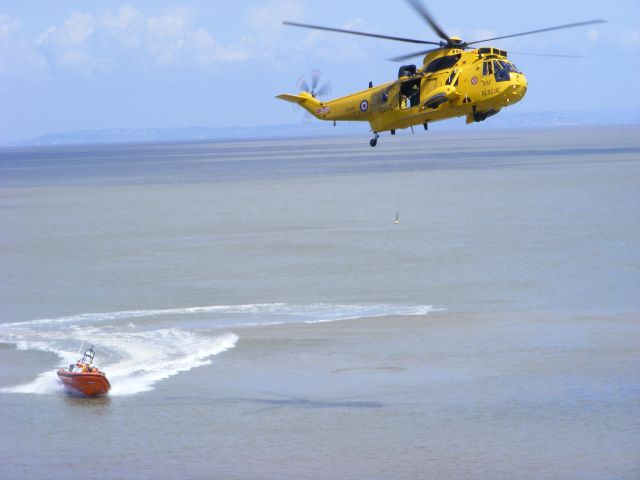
(516, 91)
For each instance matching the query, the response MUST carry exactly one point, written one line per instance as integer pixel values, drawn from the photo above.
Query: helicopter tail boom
(314, 106)
(299, 99)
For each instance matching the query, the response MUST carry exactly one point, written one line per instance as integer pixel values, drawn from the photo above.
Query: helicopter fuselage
(451, 83)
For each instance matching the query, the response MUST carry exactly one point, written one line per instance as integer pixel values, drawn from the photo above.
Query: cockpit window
(501, 71)
(487, 69)
(508, 66)
(442, 63)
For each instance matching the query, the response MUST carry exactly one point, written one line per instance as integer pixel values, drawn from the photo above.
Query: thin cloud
(17, 55)
(126, 38)
(98, 44)
(8, 26)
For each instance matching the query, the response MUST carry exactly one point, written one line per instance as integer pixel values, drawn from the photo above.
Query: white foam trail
(166, 353)
(45, 383)
(137, 356)
(253, 314)
(128, 314)
(145, 359)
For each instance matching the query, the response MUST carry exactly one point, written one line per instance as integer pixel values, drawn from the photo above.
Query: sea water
(260, 314)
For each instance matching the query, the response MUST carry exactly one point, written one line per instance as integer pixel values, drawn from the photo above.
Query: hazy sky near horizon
(77, 64)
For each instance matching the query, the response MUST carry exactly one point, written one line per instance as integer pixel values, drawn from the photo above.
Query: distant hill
(314, 128)
(140, 135)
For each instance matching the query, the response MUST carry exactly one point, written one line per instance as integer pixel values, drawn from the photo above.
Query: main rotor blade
(411, 55)
(422, 11)
(363, 34)
(570, 25)
(546, 54)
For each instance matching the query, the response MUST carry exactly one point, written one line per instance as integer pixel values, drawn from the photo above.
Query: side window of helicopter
(453, 76)
(380, 98)
(442, 63)
(501, 73)
(487, 69)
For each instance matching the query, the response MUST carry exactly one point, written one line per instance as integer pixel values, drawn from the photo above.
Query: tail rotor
(317, 87)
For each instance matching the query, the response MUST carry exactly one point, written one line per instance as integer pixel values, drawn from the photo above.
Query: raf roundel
(474, 80)
(364, 106)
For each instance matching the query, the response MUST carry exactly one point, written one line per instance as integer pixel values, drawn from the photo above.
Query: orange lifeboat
(83, 378)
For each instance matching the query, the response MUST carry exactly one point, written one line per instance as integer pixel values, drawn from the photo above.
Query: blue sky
(74, 65)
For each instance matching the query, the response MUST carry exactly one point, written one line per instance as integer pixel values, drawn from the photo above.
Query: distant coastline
(506, 120)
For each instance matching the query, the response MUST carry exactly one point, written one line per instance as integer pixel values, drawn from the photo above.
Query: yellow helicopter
(455, 80)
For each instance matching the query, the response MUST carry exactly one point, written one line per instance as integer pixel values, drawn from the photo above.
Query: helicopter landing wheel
(374, 141)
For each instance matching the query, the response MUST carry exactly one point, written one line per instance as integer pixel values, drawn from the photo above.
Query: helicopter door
(410, 93)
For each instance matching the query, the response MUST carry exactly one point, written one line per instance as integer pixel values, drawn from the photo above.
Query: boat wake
(139, 348)
(224, 316)
(134, 361)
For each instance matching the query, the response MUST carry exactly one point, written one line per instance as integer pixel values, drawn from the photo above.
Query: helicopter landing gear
(374, 141)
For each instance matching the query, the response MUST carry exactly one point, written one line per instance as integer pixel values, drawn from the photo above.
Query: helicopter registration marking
(491, 91)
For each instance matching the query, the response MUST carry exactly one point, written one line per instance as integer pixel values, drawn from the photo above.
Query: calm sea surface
(261, 315)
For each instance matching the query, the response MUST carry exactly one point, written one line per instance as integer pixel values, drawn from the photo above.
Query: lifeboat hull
(88, 384)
